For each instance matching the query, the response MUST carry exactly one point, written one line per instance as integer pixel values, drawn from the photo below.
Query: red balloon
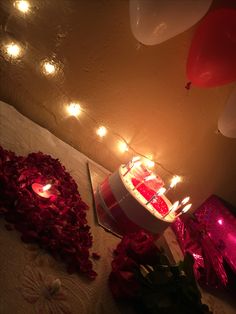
(212, 56)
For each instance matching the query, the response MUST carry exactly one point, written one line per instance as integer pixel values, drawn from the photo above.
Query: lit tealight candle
(42, 190)
(185, 200)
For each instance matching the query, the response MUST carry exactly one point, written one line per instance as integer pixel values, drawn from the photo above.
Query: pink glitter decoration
(211, 238)
(220, 224)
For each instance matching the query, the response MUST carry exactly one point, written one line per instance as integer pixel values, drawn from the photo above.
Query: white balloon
(227, 121)
(154, 21)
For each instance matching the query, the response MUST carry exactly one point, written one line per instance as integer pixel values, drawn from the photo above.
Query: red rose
(140, 246)
(143, 249)
(122, 280)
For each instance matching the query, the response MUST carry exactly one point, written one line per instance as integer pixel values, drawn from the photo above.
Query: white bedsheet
(21, 264)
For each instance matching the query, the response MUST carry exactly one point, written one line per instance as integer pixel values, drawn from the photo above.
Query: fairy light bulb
(74, 109)
(101, 131)
(123, 147)
(175, 180)
(13, 50)
(49, 68)
(22, 5)
(46, 187)
(149, 163)
(185, 200)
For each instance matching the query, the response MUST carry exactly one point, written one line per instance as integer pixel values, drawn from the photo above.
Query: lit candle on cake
(135, 162)
(175, 180)
(185, 200)
(184, 210)
(151, 177)
(172, 209)
(160, 192)
(42, 190)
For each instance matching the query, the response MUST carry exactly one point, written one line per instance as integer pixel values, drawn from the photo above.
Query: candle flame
(151, 177)
(174, 206)
(174, 181)
(22, 5)
(135, 159)
(149, 163)
(136, 164)
(185, 200)
(13, 50)
(161, 191)
(46, 187)
(186, 208)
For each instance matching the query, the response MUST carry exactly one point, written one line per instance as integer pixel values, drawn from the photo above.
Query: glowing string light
(101, 131)
(48, 68)
(123, 147)
(74, 109)
(149, 163)
(13, 50)
(22, 5)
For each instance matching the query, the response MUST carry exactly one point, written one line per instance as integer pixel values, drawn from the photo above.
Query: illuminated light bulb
(46, 187)
(161, 191)
(174, 181)
(22, 5)
(149, 163)
(49, 68)
(186, 208)
(185, 200)
(101, 131)
(74, 109)
(13, 50)
(123, 147)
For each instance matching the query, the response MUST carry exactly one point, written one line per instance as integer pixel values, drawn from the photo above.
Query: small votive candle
(42, 190)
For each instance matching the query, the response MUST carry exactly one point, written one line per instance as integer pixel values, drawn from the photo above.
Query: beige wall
(138, 91)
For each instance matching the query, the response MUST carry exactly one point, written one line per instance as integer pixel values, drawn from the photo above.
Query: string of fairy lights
(50, 67)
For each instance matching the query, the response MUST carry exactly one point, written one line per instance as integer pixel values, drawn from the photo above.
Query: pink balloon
(212, 56)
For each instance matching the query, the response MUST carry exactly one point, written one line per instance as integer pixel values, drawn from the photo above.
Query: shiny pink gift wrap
(210, 236)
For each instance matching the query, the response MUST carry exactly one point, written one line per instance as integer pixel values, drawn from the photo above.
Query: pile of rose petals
(58, 224)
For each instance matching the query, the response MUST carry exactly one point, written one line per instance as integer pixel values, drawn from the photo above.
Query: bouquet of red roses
(142, 275)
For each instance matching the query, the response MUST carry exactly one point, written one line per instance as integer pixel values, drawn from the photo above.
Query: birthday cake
(129, 196)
